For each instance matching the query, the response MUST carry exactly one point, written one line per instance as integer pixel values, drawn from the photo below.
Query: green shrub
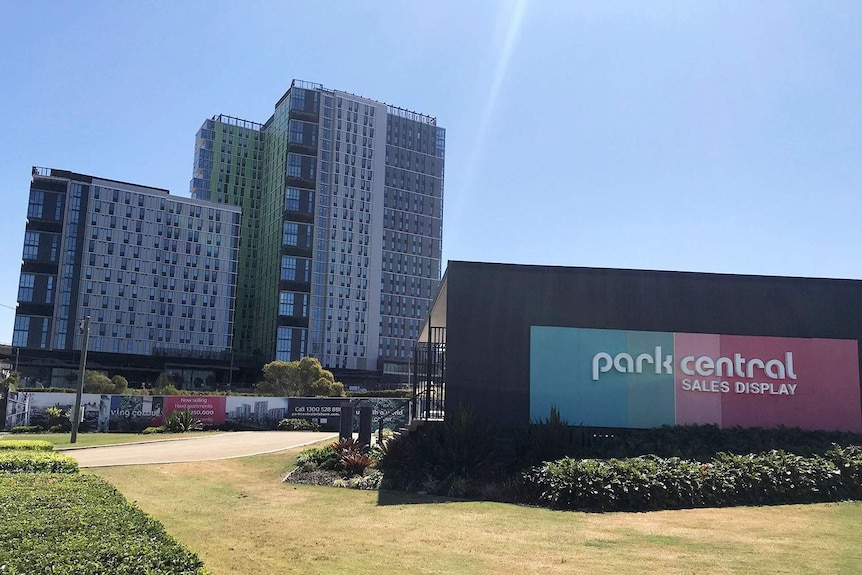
(80, 525)
(353, 457)
(319, 458)
(168, 389)
(702, 442)
(151, 430)
(547, 440)
(848, 462)
(26, 429)
(26, 445)
(649, 483)
(298, 424)
(454, 457)
(370, 481)
(182, 421)
(355, 462)
(15, 461)
(59, 421)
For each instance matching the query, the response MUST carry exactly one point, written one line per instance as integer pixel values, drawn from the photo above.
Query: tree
(166, 384)
(12, 381)
(121, 384)
(303, 378)
(97, 382)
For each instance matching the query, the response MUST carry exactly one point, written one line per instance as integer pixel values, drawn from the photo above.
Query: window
(291, 200)
(286, 303)
(295, 132)
(283, 344)
(291, 234)
(31, 245)
(294, 166)
(20, 331)
(25, 287)
(297, 99)
(288, 268)
(37, 201)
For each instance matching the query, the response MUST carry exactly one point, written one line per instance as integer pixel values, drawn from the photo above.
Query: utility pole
(76, 414)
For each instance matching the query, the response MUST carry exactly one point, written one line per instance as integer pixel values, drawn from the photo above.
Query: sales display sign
(639, 379)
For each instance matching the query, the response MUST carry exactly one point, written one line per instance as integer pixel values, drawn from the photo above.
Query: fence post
(365, 424)
(345, 429)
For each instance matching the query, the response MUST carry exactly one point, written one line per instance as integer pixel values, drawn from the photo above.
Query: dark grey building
(635, 348)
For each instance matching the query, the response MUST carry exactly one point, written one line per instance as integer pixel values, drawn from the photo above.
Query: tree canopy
(98, 382)
(303, 378)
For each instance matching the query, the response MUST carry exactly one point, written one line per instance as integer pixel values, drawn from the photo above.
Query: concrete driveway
(220, 446)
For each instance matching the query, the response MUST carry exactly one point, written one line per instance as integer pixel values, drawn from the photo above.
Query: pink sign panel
(210, 410)
(767, 381)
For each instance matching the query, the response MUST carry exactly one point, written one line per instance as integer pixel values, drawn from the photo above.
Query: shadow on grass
(386, 497)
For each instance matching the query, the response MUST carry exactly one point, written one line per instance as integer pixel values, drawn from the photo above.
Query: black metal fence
(429, 376)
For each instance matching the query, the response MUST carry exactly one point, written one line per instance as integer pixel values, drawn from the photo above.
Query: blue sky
(702, 136)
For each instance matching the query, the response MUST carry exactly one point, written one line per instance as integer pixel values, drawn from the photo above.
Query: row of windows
(36, 206)
(294, 304)
(298, 235)
(25, 324)
(151, 227)
(155, 319)
(113, 195)
(27, 285)
(165, 294)
(296, 200)
(44, 241)
(211, 239)
(137, 346)
(396, 348)
(295, 269)
(288, 338)
(132, 307)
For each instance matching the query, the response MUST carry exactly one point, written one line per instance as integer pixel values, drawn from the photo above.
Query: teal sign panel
(570, 368)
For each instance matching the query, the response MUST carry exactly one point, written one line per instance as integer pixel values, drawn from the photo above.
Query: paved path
(220, 446)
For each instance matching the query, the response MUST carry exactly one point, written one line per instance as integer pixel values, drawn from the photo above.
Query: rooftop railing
(239, 122)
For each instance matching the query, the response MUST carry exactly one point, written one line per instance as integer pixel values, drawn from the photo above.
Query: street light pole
(76, 414)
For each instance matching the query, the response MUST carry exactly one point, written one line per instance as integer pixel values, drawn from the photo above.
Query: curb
(208, 459)
(77, 448)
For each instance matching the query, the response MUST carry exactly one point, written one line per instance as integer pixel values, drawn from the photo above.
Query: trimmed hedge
(652, 483)
(26, 445)
(26, 429)
(80, 525)
(703, 442)
(28, 461)
(298, 424)
(553, 439)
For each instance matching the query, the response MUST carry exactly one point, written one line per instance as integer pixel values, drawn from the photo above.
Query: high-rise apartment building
(341, 244)
(156, 274)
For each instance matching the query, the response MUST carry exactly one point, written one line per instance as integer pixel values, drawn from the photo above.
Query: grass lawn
(61, 440)
(241, 521)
